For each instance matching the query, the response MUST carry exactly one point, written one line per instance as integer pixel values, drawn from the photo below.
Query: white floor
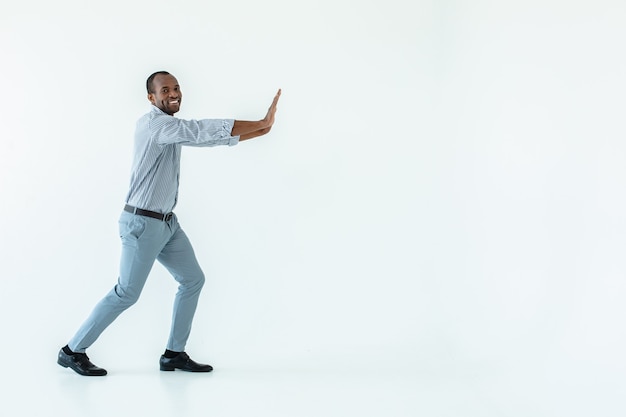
(516, 388)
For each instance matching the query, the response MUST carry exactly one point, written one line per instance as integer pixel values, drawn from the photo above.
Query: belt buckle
(168, 217)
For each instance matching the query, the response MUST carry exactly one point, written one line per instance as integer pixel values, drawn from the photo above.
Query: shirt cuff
(228, 127)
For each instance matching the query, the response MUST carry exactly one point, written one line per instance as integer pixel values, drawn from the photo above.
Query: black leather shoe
(80, 363)
(184, 363)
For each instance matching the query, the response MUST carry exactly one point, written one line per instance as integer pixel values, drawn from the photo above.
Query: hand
(247, 129)
(269, 117)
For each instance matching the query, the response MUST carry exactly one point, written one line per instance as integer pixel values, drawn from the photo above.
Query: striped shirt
(159, 138)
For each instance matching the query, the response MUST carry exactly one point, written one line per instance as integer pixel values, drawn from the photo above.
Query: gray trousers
(145, 240)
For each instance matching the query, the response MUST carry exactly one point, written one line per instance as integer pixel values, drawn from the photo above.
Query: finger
(276, 97)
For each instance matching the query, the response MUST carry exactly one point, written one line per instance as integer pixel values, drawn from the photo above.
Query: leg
(180, 260)
(142, 240)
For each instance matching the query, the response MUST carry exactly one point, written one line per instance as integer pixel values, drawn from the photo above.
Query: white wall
(443, 188)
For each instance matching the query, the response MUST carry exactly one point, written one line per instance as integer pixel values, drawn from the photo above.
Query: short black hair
(150, 79)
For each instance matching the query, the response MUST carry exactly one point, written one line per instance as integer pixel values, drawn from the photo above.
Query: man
(148, 228)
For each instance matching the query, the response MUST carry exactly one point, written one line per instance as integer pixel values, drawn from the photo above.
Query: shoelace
(80, 357)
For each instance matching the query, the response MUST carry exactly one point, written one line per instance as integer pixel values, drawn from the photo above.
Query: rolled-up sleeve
(166, 129)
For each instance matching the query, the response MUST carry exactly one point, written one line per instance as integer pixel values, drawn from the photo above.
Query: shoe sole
(173, 368)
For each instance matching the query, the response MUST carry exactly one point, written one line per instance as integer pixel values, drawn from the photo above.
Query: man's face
(167, 95)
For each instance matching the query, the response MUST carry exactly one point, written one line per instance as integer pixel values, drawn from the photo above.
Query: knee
(126, 296)
(200, 279)
(194, 281)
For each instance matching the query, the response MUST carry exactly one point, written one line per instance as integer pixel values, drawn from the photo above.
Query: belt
(148, 213)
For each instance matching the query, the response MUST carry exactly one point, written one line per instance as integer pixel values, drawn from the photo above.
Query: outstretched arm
(251, 129)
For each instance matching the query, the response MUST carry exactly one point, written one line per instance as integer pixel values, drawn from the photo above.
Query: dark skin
(167, 96)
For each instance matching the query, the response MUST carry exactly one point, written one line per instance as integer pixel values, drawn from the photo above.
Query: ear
(151, 98)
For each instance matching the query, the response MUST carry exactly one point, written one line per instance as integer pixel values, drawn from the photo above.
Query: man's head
(164, 92)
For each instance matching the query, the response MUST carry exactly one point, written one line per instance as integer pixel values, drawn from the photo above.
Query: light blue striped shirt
(159, 139)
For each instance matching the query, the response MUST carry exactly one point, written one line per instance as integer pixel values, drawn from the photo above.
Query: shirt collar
(155, 109)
